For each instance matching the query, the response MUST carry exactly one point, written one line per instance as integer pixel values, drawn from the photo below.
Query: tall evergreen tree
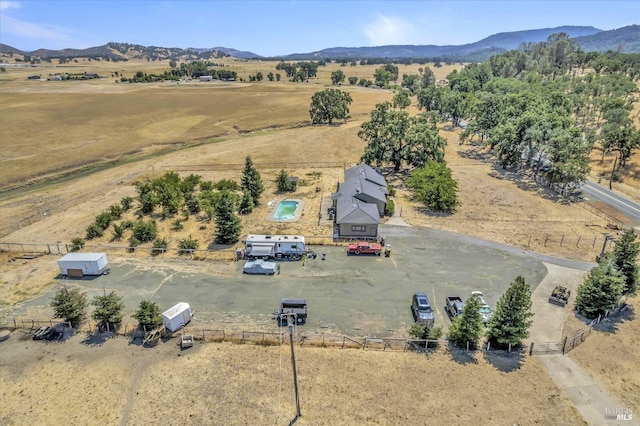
(511, 320)
(227, 223)
(252, 181)
(625, 258)
(467, 327)
(601, 290)
(108, 309)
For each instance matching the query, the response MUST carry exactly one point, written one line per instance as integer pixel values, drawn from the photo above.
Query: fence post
(564, 344)
(561, 241)
(467, 345)
(509, 347)
(578, 243)
(545, 240)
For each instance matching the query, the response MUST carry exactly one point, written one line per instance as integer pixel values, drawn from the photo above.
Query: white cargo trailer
(177, 316)
(80, 264)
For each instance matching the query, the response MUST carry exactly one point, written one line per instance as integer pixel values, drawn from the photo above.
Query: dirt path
(591, 400)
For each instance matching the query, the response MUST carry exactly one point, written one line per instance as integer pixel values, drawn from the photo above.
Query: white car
(485, 310)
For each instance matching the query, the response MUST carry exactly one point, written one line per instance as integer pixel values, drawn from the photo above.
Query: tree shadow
(505, 361)
(462, 356)
(610, 324)
(98, 338)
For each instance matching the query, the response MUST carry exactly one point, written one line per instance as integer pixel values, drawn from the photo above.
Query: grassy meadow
(49, 127)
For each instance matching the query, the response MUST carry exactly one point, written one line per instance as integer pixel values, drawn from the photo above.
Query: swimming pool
(286, 210)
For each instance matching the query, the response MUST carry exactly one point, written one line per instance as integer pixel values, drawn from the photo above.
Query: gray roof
(351, 210)
(365, 172)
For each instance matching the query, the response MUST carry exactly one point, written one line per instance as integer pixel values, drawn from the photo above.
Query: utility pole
(615, 162)
(290, 324)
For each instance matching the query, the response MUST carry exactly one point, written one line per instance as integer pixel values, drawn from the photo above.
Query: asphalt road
(628, 207)
(352, 295)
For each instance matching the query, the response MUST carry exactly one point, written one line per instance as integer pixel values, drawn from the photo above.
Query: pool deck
(273, 207)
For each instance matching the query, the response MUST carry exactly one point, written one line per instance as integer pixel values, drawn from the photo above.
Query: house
(359, 203)
(206, 78)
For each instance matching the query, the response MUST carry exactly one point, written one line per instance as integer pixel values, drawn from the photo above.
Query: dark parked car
(421, 309)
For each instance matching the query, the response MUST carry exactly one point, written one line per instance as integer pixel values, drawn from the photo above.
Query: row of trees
(508, 326)
(72, 306)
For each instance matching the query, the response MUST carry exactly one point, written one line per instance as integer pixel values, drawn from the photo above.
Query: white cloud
(4, 5)
(30, 30)
(389, 30)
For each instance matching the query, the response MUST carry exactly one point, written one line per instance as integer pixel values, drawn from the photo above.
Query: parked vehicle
(364, 247)
(560, 295)
(485, 310)
(260, 267)
(177, 316)
(295, 307)
(453, 306)
(43, 333)
(265, 247)
(421, 309)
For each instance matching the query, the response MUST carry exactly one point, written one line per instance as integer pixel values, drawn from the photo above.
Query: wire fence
(205, 334)
(31, 250)
(59, 204)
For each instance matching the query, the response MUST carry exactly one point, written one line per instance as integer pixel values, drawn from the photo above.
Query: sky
(272, 28)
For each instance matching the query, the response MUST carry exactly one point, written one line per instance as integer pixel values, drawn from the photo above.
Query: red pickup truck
(364, 247)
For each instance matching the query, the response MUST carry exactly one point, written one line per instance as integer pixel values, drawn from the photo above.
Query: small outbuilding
(78, 265)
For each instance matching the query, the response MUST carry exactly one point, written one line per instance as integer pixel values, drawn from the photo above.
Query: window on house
(358, 228)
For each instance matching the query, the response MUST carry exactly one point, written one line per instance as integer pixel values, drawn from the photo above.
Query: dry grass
(241, 384)
(610, 354)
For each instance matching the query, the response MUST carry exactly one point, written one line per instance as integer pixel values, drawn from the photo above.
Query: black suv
(421, 309)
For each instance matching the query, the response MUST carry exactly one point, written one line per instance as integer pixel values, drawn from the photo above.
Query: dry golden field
(125, 132)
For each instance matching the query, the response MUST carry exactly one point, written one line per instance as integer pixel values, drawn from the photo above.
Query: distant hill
(480, 50)
(626, 39)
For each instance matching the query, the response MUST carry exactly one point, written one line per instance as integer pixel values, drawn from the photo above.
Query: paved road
(628, 207)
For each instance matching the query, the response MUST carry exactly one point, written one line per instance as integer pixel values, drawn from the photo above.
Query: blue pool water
(286, 209)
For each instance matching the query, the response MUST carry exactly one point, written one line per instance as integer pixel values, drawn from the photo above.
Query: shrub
(159, 245)
(94, 231)
(231, 185)
(145, 231)
(176, 225)
(126, 203)
(103, 220)
(188, 244)
(77, 243)
(390, 208)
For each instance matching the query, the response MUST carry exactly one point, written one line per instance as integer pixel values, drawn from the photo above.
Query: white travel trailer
(274, 246)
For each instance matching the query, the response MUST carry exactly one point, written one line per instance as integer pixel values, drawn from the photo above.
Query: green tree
(401, 100)
(328, 105)
(251, 181)
(94, 231)
(394, 137)
(282, 181)
(434, 187)
(467, 327)
(601, 290)
(145, 231)
(510, 322)
(103, 220)
(337, 77)
(148, 315)
(227, 223)
(71, 305)
(108, 309)
(246, 203)
(625, 259)
(126, 203)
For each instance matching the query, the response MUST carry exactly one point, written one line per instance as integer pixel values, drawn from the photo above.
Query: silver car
(421, 309)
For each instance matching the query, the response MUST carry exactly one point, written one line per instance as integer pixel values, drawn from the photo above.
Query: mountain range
(625, 39)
